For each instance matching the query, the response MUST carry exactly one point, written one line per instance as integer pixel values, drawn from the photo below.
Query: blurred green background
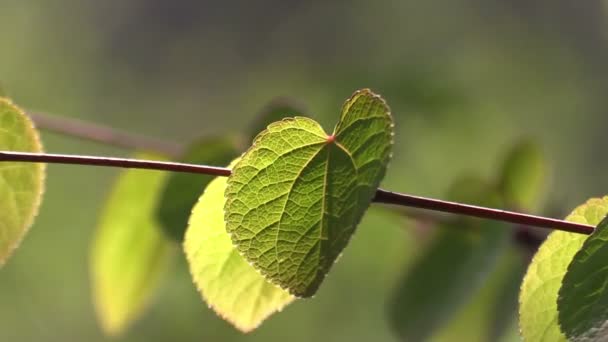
(466, 79)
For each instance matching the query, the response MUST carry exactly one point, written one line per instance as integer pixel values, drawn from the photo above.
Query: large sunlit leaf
(297, 195)
(21, 184)
(183, 189)
(583, 297)
(450, 270)
(130, 254)
(538, 319)
(229, 285)
(523, 177)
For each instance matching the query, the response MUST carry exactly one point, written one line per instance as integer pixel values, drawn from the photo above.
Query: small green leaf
(523, 178)
(130, 254)
(538, 317)
(232, 287)
(21, 184)
(583, 297)
(182, 189)
(276, 110)
(491, 311)
(451, 269)
(297, 195)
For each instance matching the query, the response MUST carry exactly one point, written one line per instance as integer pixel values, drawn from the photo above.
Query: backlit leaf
(129, 254)
(183, 189)
(297, 195)
(232, 287)
(538, 319)
(583, 297)
(21, 184)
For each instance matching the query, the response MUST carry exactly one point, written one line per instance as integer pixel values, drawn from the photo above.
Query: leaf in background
(229, 285)
(21, 184)
(296, 196)
(539, 290)
(583, 297)
(130, 255)
(451, 269)
(492, 311)
(3, 91)
(276, 110)
(523, 177)
(183, 189)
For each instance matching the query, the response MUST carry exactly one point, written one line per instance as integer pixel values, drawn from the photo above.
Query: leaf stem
(103, 134)
(112, 162)
(382, 196)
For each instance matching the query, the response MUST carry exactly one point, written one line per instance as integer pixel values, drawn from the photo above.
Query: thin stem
(112, 162)
(103, 134)
(382, 196)
(389, 197)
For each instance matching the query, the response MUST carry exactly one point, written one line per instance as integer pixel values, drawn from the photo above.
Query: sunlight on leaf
(21, 184)
(130, 254)
(539, 290)
(583, 297)
(183, 189)
(297, 195)
(232, 287)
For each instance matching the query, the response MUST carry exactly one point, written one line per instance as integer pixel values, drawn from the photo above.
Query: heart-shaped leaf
(232, 287)
(296, 196)
(21, 184)
(583, 297)
(538, 319)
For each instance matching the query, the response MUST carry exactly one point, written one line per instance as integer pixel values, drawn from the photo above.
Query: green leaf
(276, 110)
(297, 195)
(523, 177)
(450, 270)
(538, 319)
(21, 184)
(130, 254)
(229, 285)
(583, 297)
(492, 310)
(183, 189)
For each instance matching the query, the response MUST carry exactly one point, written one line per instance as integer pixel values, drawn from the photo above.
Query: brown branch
(103, 134)
(382, 196)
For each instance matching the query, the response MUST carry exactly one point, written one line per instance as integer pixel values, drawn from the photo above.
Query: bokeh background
(466, 79)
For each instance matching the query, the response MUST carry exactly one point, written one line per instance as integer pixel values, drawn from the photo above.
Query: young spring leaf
(523, 177)
(538, 316)
(21, 184)
(130, 254)
(583, 297)
(183, 189)
(451, 269)
(229, 285)
(296, 196)
(276, 110)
